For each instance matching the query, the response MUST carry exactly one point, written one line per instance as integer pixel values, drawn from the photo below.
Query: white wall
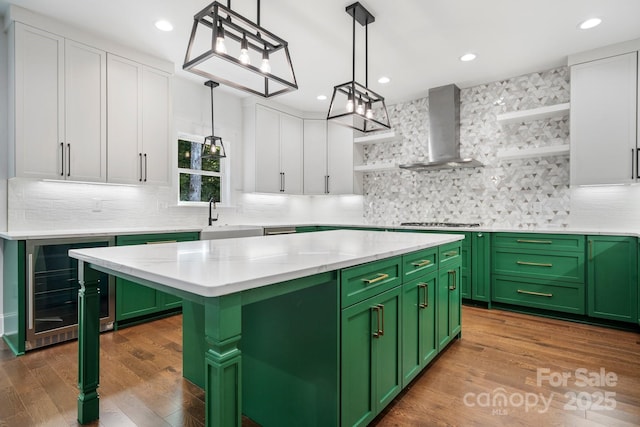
(3, 156)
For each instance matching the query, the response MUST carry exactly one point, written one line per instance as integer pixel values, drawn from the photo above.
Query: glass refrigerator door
(54, 299)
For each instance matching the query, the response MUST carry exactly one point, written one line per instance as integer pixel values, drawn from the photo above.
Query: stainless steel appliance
(52, 290)
(272, 231)
(441, 224)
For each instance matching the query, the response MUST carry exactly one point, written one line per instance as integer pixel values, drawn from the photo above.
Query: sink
(230, 231)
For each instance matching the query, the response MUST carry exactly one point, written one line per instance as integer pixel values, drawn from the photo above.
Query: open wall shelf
(546, 112)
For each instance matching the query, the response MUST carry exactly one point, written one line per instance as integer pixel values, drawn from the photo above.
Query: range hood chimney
(444, 132)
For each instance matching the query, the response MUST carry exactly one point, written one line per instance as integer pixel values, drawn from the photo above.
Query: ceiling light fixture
(221, 47)
(468, 57)
(321, 97)
(590, 23)
(352, 104)
(163, 25)
(216, 147)
(384, 80)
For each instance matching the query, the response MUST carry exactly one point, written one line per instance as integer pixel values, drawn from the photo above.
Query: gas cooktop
(440, 224)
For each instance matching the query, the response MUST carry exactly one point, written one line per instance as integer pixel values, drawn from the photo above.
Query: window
(201, 175)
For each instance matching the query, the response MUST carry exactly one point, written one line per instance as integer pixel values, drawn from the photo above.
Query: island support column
(223, 368)
(88, 348)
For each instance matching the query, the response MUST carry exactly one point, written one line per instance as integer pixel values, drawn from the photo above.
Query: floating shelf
(558, 110)
(377, 137)
(554, 150)
(376, 167)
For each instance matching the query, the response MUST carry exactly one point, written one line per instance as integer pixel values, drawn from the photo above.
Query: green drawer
(364, 281)
(141, 239)
(544, 242)
(540, 294)
(450, 254)
(418, 263)
(556, 266)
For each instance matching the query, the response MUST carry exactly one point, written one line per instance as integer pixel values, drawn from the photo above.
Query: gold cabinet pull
(541, 242)
(535, 264)
(450, 253)
(421, 263)
(379, 277)
(381, 331)
(452, 273)
(376, 308)
(425, 299)
(538, 294)
(161, 241)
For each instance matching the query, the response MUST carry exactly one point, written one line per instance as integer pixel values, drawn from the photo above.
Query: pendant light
(353, 104)
(213, 143)
(230, 49)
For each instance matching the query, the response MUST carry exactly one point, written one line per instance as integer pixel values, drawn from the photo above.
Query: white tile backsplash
(522, 193)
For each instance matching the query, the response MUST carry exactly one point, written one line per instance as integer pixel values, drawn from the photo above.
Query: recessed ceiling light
(468, 57)
(321, 97)
(590, 23)
(163, 25)
(384, 80)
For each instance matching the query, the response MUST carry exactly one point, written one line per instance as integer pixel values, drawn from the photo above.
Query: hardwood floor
(504, 355)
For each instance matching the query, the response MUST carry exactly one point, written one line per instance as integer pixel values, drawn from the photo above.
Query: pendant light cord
(353, 51)
(366, 54)
(212, 122)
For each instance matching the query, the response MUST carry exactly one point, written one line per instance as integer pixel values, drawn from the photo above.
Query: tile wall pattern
(520, 193)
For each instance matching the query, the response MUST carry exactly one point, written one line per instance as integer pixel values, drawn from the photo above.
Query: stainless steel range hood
(444, 132)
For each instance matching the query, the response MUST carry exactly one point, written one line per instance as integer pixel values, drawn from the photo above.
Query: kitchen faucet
(211, 218)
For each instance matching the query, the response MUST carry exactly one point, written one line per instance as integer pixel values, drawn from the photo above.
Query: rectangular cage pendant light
(353, 104)
(230, 49)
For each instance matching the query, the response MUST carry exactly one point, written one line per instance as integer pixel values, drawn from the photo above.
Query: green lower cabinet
(612, 278)
(134, 300)
(480, 266)
(418, 325)
(448, 304)
(370, 374)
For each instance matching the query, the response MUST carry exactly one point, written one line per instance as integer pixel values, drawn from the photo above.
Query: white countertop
(101, 232)
(97, 232)
(220, 267)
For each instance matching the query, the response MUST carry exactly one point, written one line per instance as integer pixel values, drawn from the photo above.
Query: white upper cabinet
(278, 152)
(340, 160)
(139, 123)
(604, 113)
(328, 158)
(315, 157)
(59, 107)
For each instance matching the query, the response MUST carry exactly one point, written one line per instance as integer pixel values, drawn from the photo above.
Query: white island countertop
(211, 268)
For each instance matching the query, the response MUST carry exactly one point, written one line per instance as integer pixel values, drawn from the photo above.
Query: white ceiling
(416, 43)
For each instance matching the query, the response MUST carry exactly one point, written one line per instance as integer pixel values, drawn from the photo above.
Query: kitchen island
(270, 324)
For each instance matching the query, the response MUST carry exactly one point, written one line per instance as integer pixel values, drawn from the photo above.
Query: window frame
(224, 174)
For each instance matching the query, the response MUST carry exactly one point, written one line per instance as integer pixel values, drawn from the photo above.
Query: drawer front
(364, 281)
(141, 239)
(418, 263)
(450, 254)
(554, 266)
(560, 297)
(544, 242)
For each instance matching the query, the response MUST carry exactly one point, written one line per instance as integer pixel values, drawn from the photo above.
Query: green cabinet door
(480, 267)
(370, 374)
(449, 300)
(418, 325)
(612, 277)
(134, 300)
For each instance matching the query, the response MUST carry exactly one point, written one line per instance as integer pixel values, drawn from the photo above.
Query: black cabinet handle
(140, 155)
(68, 159)
(62, 159)
(637, 171)
(145, 167)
